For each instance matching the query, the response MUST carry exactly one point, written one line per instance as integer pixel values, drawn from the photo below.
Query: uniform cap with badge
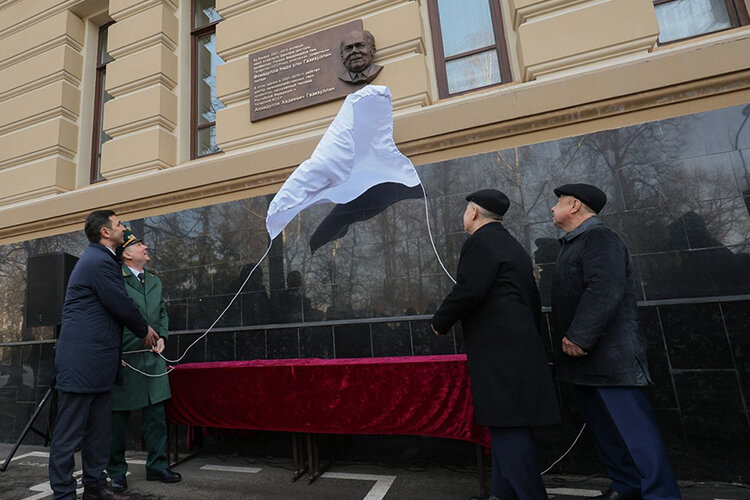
(129, 239)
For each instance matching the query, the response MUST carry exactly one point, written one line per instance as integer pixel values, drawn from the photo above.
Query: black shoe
(118, 484)
(611, 494)
(165, 476)
(96, 492)
(491, 497)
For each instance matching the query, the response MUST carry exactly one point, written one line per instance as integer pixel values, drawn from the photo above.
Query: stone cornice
(578, 114)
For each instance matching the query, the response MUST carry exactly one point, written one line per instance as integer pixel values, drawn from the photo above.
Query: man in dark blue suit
(600, 350)
(87, 359)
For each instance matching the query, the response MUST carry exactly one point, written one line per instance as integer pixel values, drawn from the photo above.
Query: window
(204, 103)
(100, 97)
(681, 19)
(470, 48)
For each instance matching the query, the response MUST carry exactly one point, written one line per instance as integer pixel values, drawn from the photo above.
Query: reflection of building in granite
(707, 269)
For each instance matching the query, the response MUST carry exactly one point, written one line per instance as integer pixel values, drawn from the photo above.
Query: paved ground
(208, 477)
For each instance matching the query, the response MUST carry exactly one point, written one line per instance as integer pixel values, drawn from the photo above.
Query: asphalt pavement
(208, 477)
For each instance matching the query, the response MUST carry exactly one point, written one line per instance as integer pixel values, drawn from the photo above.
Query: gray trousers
(83, 420)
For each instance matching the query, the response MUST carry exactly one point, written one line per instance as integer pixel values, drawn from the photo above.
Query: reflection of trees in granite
(13, 259)
(12, 288)
(198, 250)
(675, 190)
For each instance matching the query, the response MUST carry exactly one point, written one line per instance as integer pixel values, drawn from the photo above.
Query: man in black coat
(87, 358)
(497, 301)
(600, 351)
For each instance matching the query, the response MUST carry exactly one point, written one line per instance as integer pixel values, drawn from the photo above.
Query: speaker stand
(47, 435)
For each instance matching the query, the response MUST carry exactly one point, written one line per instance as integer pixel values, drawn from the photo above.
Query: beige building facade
(576, 66)
(143, 106)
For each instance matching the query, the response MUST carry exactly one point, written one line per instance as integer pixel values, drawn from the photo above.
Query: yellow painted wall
(578, 65)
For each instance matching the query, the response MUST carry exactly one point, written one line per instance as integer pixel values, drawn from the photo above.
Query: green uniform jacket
(136, 390)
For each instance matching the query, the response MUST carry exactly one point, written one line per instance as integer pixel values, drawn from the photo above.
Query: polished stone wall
(679, 194)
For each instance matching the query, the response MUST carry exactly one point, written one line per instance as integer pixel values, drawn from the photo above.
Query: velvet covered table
(417, 395)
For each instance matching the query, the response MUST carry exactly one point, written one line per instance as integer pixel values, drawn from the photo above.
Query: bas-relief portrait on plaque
(311, 70)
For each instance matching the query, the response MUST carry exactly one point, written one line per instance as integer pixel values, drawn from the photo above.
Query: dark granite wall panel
(352, 341)
(679, 194)
(316, 342)
(696, 337)
(283, 344)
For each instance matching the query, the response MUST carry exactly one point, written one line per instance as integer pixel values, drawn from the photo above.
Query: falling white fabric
(356, 153)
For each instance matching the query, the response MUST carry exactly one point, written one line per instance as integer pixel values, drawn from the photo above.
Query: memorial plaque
(300, 73)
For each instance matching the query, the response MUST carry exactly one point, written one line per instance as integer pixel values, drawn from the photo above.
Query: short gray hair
(487, 214)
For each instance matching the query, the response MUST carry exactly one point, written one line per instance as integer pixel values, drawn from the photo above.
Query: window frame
(736, 9)
(195, 35)
(500, 46)
(95, 174)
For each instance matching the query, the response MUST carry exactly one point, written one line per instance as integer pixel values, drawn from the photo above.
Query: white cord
(429, 231)
(566, 453)
(152, 375)
(224, 311)
(206, 332)
(432, 241)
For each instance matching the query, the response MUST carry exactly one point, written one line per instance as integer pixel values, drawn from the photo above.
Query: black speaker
(46, 280)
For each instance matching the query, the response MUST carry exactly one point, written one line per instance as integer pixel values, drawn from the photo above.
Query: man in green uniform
(138, 391)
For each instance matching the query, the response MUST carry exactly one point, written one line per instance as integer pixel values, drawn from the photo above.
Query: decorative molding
(411, 102)
(153, 40)
(38, 118)
(241, 7)
(55, 150)
(157, 79)
(396, 52)
(307, 28)
(7, 3)
(58, 76)
(523, 14)
(34, 193)
(640, 101)
(38, 17)
(235, 97)
(63, 39)
(588, 58)
(158, 121)
(137, 169)
(171, 5)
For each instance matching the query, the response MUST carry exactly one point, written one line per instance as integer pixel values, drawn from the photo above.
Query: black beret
(592, 196)
(491, 199)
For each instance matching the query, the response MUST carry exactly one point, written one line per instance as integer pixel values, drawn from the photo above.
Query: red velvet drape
(420, 395)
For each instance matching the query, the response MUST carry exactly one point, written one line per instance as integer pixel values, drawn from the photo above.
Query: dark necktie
(141, 277)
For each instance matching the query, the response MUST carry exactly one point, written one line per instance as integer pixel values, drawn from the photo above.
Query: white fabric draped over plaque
(356, 153)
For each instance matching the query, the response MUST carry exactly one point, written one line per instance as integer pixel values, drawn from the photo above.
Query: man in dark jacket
(87, 358)
(600, 351)
(497, 301)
